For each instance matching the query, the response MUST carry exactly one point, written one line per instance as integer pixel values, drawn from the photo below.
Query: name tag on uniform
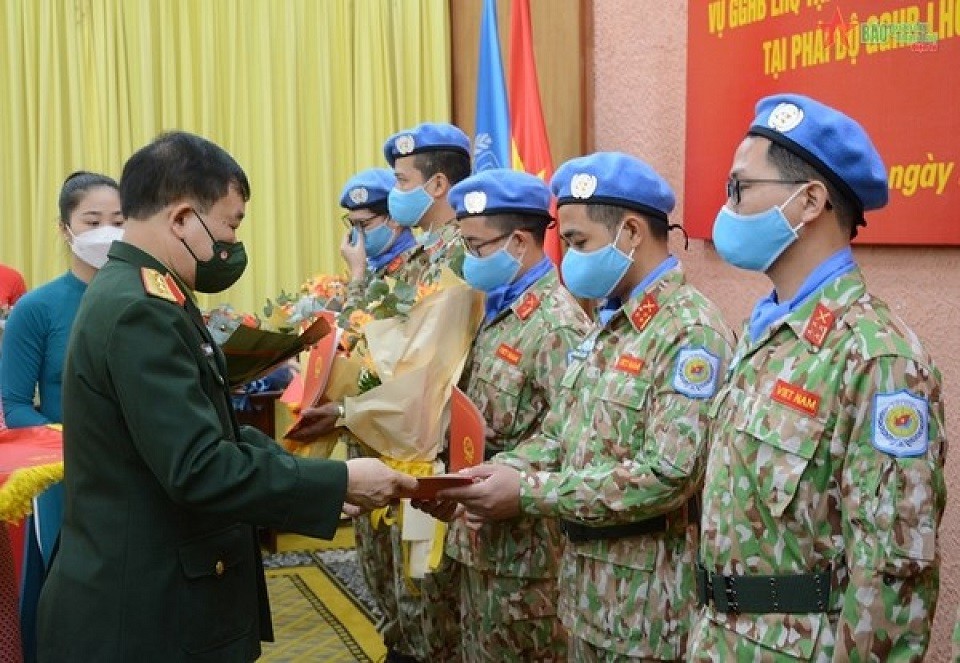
(629, 364)
(509, 354)
(794, 397)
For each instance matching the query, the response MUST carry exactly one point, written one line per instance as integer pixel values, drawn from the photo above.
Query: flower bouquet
(338, 370)
(322, 292)
(250, 349)
(412, 362)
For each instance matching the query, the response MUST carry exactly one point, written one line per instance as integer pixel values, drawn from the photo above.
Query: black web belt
(800, 593)
(578, 532)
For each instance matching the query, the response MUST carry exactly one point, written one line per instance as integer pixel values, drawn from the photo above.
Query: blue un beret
(426, 137)
(367, 188)
(500, 191)
(613, 178)
(836, 145)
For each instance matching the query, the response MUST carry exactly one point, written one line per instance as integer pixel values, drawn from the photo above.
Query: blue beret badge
(475, 202)
(784, 117)
(582, 185)
(404, 144)
(359, 195)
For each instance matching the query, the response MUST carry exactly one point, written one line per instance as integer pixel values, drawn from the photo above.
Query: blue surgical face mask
(492, 271)
(408, 207)
(377, 240)
(754, 241)
(594, 275)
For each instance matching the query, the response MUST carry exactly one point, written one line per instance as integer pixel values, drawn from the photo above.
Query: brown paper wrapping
(418, 359)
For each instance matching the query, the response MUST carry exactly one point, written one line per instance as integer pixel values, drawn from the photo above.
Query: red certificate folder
(468, 432)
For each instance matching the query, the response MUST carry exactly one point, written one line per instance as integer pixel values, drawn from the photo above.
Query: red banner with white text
(893, 66)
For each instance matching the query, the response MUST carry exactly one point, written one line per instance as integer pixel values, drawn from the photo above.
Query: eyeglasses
(474, 249)
(358, 223)
(735, 189)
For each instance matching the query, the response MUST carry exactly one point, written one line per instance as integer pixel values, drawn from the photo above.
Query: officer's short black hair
(76, 187)
(792, 167)
(612, 216)
(178, 165)
(454, 164)
(534, 224)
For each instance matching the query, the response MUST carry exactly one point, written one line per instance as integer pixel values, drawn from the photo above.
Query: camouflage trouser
(442, 623)
(509, 619)
(582, 651)
(419, 615)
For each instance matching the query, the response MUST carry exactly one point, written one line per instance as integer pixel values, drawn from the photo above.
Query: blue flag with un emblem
(491, 143)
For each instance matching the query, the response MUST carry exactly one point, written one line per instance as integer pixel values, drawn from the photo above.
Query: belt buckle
(726, 600)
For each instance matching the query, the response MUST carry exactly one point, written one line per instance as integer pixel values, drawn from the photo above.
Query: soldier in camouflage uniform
(621, 454)
(508, 571)
(376, 246)
(824, 484)
(427, 161)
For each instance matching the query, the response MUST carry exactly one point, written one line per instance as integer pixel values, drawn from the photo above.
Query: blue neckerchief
(403, 242)
(500, 299)
(613, 304)
(768, 310)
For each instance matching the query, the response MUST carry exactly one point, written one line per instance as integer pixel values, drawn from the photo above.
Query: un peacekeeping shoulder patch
(695, 374)
(900, 423)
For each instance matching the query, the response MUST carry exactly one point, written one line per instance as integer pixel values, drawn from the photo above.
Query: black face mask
(224, 268)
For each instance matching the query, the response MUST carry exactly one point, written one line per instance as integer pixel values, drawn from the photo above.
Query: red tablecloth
(30, 460)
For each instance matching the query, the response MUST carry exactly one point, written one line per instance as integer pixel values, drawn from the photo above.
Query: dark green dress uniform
(158, 558)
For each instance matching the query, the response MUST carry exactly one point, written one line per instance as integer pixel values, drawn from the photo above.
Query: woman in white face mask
(34, 342)
(35, 337)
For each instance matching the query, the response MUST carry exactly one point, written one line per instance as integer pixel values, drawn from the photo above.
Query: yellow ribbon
(417, 468)
(378, 517)
(17, 493)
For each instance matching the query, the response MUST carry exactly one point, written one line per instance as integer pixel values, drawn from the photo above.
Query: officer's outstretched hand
(496, 497)
(371, 484)
(353, 248)
(316, 421)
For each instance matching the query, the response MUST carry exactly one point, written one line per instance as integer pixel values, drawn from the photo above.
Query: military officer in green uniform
(158, 559)
(824, 484)
(621, 455)
(507, 571)
(377, 246)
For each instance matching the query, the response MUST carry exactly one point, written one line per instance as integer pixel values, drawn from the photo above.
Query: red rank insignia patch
(819, 325)
(509, 354)
(794, 397)
(529, 304)
(643, 314)
(175, 290)
(395, 264)
(629, 364)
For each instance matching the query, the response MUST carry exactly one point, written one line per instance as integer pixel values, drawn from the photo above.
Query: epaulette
(162, 286)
